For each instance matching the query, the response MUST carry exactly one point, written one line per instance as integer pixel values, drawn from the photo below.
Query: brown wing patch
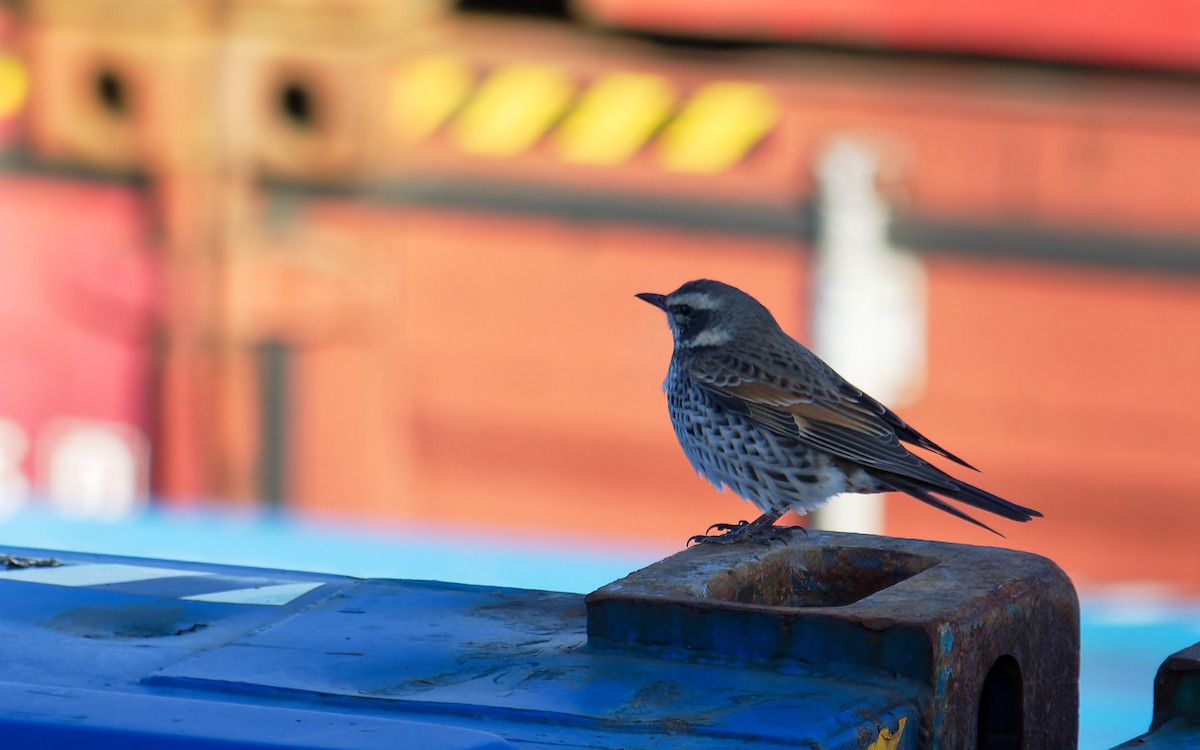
(803, 408)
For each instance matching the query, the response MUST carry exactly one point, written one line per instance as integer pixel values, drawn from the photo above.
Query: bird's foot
(762, 530)
(730, 533)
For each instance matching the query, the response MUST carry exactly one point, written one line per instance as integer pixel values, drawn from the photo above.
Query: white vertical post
(869, 316)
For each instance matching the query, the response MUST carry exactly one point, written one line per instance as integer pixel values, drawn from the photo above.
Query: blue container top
(129, 653)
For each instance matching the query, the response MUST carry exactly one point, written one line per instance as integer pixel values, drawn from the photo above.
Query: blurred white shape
(1140, 603)
(869, 316)
(92, 470)
(14, 485)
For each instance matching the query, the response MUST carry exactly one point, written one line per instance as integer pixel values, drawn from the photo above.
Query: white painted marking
(99, 574)
(271, 595)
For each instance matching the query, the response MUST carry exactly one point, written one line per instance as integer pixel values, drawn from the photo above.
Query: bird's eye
(683, 311)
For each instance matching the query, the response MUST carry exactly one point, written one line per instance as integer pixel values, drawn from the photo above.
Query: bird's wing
(902, 429)
(813, 405)
(816, 407)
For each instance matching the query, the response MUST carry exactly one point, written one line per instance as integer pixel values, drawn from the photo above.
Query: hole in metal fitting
(1001, 707)
(111, 92)
(832, 577)
(297, 105)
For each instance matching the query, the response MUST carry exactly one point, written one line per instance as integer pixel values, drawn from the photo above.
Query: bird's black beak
(658, 300)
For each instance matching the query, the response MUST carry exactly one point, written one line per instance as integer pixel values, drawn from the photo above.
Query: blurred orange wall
(510, 377)
(399, 284)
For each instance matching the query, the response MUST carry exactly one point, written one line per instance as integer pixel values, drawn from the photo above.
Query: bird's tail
(962, 492)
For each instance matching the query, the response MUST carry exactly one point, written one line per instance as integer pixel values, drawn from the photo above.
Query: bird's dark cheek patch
(691, 327)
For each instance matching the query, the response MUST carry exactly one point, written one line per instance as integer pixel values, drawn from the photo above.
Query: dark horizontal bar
(17, 161)
(584, 206)
(1050, 243)
(919, 233)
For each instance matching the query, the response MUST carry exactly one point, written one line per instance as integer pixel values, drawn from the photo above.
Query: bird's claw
(744, 531)
(722, 527)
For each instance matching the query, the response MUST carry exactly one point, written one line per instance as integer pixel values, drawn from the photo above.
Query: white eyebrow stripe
(698, 300)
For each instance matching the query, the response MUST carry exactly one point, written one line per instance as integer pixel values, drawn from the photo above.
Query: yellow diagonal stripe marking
(720, 123)
(425, 93)
(14, 85)
(513, 108)
(614, 118)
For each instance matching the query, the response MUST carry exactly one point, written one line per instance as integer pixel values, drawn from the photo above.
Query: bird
(758, 413)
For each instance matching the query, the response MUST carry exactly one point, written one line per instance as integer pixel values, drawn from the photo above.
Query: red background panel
(1070, 388)
(78, 296)
(1156, 33)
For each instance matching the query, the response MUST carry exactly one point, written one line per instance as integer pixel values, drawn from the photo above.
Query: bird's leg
(761, 530)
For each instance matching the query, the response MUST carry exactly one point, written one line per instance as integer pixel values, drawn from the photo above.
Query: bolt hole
(297, 105)
(1001, 707)
(112, 93)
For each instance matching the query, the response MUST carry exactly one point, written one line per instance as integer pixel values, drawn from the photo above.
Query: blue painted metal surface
(1125, 631)
(340, 546)
(1176, 722)
(119, 652)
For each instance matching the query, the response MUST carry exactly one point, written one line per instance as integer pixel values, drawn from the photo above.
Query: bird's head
(709, 313)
